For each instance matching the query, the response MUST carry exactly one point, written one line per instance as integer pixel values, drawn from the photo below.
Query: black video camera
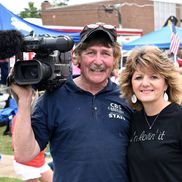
(50, 66)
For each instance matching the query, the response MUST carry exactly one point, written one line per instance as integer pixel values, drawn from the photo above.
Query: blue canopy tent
(10, 21)
(160, 38)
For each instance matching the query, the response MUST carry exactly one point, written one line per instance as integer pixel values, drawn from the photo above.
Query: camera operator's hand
(22, 94)
(24, 139)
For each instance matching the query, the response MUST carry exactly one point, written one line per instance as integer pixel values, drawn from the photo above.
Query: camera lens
(27, 72)
(30, 72)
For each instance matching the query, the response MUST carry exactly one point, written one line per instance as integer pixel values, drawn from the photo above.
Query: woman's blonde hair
(155, 58)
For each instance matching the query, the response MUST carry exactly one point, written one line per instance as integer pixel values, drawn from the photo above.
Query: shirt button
(95, 108)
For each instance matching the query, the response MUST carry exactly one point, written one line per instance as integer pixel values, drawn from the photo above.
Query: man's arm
(25, 145)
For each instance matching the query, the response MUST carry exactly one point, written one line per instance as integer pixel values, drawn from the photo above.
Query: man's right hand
(22, 93)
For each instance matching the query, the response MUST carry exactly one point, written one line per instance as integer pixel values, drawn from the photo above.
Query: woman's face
(147, 85)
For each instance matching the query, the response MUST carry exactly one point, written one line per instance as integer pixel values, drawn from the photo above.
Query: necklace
(153, 122)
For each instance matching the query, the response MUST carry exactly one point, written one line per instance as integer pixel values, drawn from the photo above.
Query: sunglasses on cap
(110, 30)
(106, 26)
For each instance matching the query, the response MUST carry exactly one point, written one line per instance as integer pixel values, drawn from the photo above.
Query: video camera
(51, 64)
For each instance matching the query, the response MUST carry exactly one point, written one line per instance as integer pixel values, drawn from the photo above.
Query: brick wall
(79, 15)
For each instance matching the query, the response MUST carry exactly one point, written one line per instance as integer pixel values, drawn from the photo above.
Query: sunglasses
(106, 26)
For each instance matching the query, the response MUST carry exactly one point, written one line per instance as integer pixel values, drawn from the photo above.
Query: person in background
(179, 60)
(85, 120)
(179, 57)
(75, 68)
(4, 70)
(115, 75)
(153, 87)
(4, 95)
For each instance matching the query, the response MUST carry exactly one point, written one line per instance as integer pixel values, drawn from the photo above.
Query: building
(148, 15)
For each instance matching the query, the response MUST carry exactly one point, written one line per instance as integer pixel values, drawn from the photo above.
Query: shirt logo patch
(116, 111)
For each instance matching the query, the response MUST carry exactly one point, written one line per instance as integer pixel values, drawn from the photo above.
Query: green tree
(30, 12)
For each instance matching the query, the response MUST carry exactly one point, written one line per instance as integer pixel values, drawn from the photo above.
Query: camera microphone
(48, 69)
(48, 44)
(11, 43)
(63, 44)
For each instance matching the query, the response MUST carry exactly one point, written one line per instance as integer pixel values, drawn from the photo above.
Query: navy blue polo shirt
(88, 134)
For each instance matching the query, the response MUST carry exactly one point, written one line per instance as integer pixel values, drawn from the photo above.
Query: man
(85, 120)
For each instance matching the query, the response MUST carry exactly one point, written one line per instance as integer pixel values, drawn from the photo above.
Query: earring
(166, 97)
(133, 99)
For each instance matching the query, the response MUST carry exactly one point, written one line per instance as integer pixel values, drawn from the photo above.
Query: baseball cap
(93, 29)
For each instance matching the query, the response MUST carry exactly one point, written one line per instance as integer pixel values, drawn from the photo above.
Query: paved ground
(6, 166)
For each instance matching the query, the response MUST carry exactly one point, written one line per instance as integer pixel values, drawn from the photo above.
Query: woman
(153, 86)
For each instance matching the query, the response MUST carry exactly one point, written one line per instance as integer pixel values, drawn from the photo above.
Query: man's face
(96, 64)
